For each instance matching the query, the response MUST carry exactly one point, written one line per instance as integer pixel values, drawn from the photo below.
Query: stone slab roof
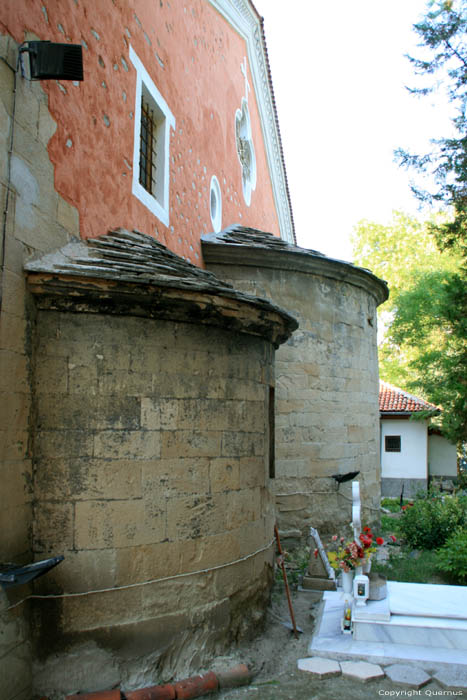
(130, 272)
(240, 245)
(393, 400)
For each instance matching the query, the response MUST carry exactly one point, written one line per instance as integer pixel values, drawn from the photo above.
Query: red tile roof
(394, 400)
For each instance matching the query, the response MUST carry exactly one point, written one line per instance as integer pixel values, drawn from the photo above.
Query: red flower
(316, 553)
(379, 540)
(404, 508)
(392, 538)
(367, 529)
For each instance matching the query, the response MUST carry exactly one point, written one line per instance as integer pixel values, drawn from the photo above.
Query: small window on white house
(153, 119)
(392, 443)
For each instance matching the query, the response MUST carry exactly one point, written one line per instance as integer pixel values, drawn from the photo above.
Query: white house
(411, 451)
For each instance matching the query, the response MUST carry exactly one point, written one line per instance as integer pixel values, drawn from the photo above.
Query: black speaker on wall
(55, 61)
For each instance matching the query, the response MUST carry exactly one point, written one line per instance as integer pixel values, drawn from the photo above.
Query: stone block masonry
(326, 398)
(37, 219)
(149, 462)
(149, 444)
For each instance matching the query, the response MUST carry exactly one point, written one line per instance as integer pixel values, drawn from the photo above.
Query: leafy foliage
(431, 520)
(431, 322)
(443, 64)
(425, 349)
(452, 557)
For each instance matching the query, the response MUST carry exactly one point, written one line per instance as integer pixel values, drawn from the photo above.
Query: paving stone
(322, 668)
(452, 678)
(361, 670)
(408, 676)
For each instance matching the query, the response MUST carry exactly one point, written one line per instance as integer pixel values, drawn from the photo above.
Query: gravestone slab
(320, 575)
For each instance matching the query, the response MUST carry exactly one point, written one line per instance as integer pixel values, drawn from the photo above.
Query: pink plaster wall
(193, 56)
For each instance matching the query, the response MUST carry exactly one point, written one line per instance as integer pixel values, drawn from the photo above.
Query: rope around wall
(141, 583)
(328, 493)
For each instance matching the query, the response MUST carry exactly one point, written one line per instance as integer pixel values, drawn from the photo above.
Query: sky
(339, 76)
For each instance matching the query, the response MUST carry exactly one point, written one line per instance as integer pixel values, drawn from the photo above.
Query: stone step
(415, 614)
(416, 631)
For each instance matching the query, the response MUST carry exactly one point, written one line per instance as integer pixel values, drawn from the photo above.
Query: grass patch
(390, 526)
(393, 504)
(411, 566)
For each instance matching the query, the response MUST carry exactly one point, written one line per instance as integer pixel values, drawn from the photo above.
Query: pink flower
(334, 538)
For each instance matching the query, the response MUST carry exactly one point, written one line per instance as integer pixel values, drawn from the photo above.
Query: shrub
(452, 557)
(462, 479)
(431, 520)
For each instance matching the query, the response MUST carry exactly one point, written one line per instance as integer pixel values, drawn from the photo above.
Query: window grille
(147, 149)
(392, 443)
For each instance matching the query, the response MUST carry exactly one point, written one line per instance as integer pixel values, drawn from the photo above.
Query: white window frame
(157, 203)
(215, 204)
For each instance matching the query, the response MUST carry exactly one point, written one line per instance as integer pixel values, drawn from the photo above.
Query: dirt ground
(273, 658)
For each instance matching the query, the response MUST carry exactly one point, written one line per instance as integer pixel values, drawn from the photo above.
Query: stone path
(452, 678)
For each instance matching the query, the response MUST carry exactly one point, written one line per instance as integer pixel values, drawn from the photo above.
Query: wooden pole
(286, 583)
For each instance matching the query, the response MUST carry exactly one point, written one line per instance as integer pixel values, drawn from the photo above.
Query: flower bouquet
(351, 554)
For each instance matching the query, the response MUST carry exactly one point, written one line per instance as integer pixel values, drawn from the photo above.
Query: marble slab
(330, 642)
(448, 633)
(345, 647)
(373, 611)
(425, 600)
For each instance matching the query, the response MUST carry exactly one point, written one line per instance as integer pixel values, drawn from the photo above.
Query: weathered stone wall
(151, 444)
(327, 417)
(38, 219)
(393, 487)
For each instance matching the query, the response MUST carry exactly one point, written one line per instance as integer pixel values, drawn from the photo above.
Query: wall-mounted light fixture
(49, 61)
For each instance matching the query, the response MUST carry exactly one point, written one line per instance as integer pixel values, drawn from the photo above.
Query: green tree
(430, 323)
(443, 65)
(425, 318)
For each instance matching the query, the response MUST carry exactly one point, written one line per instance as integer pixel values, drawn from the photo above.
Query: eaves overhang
(130, 273)
(240, 245)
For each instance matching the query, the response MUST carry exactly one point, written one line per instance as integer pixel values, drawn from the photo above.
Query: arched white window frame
(215, 204)
(245, 150)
